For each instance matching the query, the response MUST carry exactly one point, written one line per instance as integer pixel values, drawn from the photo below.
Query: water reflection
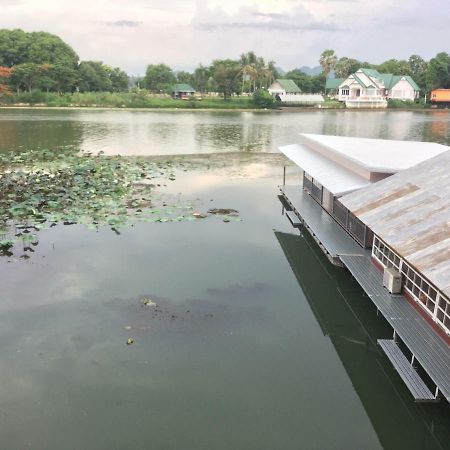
(187, 132)
(350, 322)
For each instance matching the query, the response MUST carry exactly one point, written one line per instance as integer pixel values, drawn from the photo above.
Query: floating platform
(428, 348)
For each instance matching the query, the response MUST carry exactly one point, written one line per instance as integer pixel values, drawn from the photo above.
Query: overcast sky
(183, 33)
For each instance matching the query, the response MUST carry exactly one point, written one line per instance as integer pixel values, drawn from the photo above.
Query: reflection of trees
(32, 130)
(253, 137)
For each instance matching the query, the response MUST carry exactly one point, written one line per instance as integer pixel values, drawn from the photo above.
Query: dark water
(258, 343)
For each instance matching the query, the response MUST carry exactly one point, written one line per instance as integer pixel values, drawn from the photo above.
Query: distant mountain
(280, 71)
(311, 70)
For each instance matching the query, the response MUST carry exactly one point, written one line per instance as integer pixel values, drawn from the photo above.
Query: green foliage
(438, 74)
(328, 61)
(159, 78)
(185, 77)
(225, 73)
(119, 80)
(41, 188)
(28, 53)
(135, 99)
(263, 99)
(396, 103)
(346, 66)
(28, 75)
(94, 77)
(200, 78)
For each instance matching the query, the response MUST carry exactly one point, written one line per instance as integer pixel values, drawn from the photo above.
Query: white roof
(376, 155)
(337, 179)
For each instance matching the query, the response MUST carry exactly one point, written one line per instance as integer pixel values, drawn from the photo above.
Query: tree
(318, 83)
(94, 76)
(328, 60)
(301, 79)
(18, 47)
(119, 80)
(13, 47)
(226, 76)
(263, 99)
(64, 77)
(28, 75)
(397, 67)
(418, 69)
(200, 78)
(159, 78)
(184, 77)
(346, 66)
(438, 73)
(5, 73)
(250, 73)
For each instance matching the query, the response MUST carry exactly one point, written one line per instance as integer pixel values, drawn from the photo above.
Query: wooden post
(284, 176)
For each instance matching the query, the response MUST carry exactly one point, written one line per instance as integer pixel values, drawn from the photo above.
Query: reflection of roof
(337, 179)
(182, 87)
(288, 85)
(376, 155)
(410, 211)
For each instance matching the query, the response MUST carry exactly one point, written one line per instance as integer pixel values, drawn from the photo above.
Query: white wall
(402, 91)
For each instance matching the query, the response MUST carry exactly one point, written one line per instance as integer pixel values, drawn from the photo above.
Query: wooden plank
(407, 373)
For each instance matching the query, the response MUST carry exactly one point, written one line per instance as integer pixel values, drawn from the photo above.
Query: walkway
(428, 348)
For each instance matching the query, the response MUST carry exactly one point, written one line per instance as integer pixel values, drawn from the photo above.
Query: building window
(345, 91)
(434, 302)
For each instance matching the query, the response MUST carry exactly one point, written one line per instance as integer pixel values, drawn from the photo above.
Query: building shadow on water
(349, 320)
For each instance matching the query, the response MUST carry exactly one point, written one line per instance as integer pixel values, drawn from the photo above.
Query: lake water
(257, 342)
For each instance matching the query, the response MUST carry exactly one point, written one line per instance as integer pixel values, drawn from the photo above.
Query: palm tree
(328, 60)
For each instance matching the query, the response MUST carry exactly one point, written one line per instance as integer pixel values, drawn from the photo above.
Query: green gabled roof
(333, 83)
(288, 85)
(371, 72)
(387, 79)
(182, 87)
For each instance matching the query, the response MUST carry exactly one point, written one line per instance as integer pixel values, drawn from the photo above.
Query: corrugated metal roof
(376, 155)
(288, 85)
(337, 179)
(182, 87)
(410, 211)
(333, 83)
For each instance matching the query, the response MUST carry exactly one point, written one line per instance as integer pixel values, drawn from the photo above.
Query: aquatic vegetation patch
(41, 189)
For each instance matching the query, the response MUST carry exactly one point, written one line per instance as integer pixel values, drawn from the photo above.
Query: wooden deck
(429, 349)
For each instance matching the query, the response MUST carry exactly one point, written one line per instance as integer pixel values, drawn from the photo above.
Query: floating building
(382, 209)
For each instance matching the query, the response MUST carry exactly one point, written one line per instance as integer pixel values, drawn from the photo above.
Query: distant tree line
(43, 61)
(431, 74)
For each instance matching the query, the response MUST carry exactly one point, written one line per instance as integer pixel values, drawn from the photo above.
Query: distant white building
(286, 91)
(369, 88)
(283, 87)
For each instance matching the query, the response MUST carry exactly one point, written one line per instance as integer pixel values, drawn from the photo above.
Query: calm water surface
(259, 342)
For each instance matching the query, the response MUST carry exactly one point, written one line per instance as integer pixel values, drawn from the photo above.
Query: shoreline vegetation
(144, 100)
(39, 69)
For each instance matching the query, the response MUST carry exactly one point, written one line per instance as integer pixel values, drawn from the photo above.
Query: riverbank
(144, 100)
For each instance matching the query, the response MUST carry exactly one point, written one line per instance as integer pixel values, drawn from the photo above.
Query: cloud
(124, 23)
(250, 18)
(184, 33)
